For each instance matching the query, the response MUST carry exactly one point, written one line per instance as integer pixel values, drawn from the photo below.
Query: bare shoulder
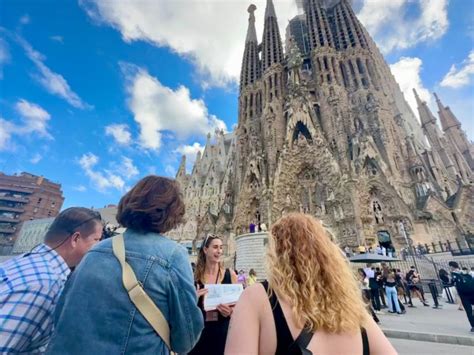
(378, 342)
(254, 294)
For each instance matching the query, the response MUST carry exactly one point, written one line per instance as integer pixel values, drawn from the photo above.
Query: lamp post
(410, 248)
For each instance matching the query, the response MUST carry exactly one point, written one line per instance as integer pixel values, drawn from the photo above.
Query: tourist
(347, 250)
(32, 283)
(381, 284)
(378, 250)
(210, 270)
(252, 277)
(464, 284)
(414, 285)
(374, 287)
(252, 227)
(364, 286)
(391, 291)
(242, 278)
(472, 271)
(303, 297)
(96, 314)
(449, 291)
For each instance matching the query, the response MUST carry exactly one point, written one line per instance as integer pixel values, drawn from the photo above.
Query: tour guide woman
(95, 314)
(210, 270)
(312, 288)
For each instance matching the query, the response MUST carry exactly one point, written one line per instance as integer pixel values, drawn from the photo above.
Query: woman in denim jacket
(95, 314)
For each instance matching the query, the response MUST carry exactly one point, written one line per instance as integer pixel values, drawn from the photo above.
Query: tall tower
(452, 128)
(274, 89)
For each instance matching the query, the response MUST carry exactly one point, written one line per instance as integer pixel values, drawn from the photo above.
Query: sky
(96, 94)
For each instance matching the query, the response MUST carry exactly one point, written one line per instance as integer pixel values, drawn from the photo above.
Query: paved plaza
(442, 327)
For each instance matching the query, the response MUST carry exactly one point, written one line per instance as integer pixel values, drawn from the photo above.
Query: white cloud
(170, 171)
(127, 169)
(394, 27)
(35, 118)
(407, 74)
(59, 39)
(120, 132)
(25, 19)
(34, 121)
(53, 82)
(190, 151)
(6, 129)
(4, 55)
(210, 33)
(80, 188)
(158, 109)
(101, 180)
(459, 77)
(35, 159)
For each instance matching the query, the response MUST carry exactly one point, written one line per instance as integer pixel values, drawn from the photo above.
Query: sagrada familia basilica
(323, 128)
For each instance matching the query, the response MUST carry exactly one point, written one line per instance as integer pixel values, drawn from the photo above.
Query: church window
(326, 67)
(360, 66)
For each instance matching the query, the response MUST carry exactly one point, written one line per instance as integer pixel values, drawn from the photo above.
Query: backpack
(464, 283)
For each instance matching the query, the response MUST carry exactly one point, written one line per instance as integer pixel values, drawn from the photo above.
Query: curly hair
(309, 271)
(154, 204)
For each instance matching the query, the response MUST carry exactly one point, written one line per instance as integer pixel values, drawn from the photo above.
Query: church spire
(426, 116)
(182, 167)
(446, 117)
(250, 64)
(272, 48)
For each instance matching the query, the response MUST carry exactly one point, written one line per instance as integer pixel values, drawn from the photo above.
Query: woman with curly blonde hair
(311, 302)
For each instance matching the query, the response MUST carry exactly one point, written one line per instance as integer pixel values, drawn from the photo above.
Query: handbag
(138, 296)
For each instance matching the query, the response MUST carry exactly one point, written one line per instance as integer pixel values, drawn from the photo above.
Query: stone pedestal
(251, 253)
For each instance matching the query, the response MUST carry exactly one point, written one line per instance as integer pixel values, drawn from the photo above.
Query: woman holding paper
(311, 303)
(209, 271)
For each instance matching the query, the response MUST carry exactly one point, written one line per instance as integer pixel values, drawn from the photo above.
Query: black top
(214, 334)
(390, 284)
(286, 345)
(226, 280)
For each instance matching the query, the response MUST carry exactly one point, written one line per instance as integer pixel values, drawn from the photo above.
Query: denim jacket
(96, 316)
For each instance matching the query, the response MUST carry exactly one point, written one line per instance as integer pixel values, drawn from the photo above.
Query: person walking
(304, 307)
(98, 314)
(464, 284)
(31, 284)
(252, 277)
(414, 285)
(210, 270)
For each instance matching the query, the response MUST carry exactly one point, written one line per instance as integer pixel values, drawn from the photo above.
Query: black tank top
(226, 280)
(286, 345)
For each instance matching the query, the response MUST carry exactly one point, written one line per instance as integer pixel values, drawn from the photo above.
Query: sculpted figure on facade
(326, 130)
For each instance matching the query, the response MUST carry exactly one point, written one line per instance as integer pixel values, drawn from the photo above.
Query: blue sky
(96, 94)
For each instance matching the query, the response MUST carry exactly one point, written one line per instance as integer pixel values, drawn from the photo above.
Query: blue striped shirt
(30, 286)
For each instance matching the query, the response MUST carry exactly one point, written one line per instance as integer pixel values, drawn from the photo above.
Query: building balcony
(7, 230)
(9, 219)
(11, 209)
(16, 189)
(14, 199)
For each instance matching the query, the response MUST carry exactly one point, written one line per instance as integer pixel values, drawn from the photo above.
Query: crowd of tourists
(137, 292)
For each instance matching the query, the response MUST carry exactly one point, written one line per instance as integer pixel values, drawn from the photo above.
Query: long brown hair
(201, 259)
(308, 270)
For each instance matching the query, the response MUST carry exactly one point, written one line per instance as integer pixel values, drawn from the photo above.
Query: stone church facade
(323, 128)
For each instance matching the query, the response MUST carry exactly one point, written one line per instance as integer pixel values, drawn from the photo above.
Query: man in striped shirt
(30, 284)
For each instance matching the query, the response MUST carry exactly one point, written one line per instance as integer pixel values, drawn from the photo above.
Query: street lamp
(410, 247)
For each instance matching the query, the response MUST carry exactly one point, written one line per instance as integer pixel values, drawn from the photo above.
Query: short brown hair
(154, 204)
(71, 220)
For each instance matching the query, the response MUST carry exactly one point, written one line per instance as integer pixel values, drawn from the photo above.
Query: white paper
(221, 294)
